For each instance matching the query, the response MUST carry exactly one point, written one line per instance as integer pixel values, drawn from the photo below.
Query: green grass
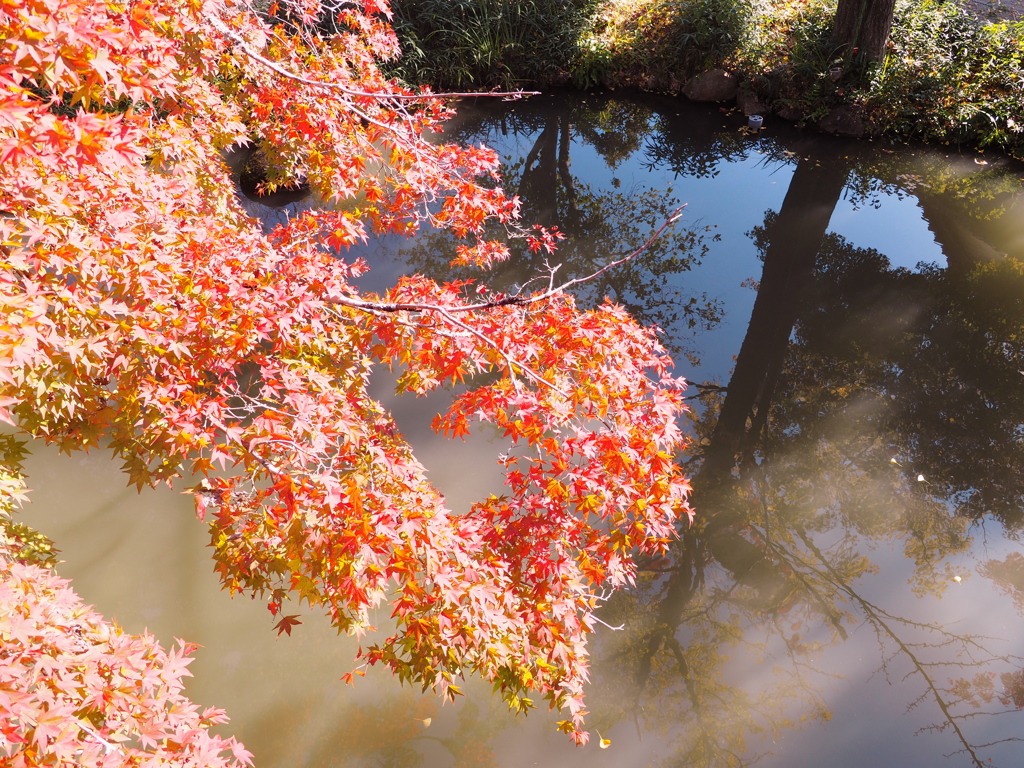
(486, 44)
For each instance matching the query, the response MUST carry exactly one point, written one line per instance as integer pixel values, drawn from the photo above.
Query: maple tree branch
(375, 308)
(108, 747)
(672, 219)
(225, 30)
(603, 597)
(601, 621)
(448, 313)
(412, 135)
(515, 300)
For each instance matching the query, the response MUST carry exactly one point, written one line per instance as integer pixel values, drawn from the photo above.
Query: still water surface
(854, 315)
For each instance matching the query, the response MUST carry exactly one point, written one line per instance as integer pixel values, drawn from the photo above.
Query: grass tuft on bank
(491, 44)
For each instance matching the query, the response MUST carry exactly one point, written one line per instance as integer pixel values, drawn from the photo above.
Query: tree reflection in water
(600, 225)
(867, 405)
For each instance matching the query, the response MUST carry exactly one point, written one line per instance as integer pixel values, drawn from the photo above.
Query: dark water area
(852, 317)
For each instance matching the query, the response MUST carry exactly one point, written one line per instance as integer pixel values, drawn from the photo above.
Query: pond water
(852, 317)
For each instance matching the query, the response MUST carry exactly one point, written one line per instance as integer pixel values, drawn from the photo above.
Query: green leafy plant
(950, 77)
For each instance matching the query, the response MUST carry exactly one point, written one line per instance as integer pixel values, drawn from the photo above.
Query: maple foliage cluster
(142, 309)
(77, 690)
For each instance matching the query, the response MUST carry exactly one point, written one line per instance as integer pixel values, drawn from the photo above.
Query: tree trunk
(789, 262)
(862, 28)
(538, 186)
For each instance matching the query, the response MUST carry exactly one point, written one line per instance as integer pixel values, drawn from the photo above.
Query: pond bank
(953, 74)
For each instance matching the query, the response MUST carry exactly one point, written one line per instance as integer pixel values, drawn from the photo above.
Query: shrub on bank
(948, 75)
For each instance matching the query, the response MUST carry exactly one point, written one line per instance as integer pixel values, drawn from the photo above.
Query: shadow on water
(857, 456)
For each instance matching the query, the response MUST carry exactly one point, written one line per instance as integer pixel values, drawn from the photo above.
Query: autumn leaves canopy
(144, 311)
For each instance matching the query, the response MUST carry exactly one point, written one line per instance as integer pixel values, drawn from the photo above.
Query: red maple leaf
(286, 623)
